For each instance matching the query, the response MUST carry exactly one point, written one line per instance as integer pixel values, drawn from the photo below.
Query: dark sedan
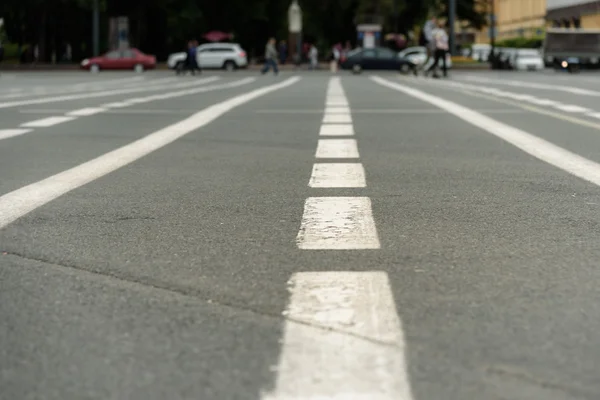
(376, 59)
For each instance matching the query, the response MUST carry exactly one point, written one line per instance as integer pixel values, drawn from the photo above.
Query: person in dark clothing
(192, 60)
(270, 57)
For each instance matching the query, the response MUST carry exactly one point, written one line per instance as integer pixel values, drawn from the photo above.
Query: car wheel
(138, 68)
(405, 68)
(229, 66)
(95, 68)
(179, 68)
(357, 68)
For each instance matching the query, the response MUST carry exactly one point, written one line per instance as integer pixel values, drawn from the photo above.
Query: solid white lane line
(337, 148)
(337, 130)
(342, 340)
(81, 87)
(337, 119)
(46, 122)
(594, 115)
(338, 175)
(532, 85)
(103, 93)
(533, 145)
(8, 133)
(337, 223)
(120, 104)
(84, 112)
(22, 201)
(572, 108)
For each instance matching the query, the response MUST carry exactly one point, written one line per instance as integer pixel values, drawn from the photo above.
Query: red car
(132, 59)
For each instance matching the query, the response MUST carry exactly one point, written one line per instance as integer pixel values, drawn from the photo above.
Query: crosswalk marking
(84, 112)
(336, 130)
(17, 203)
(342, 340)
(337, 223)
(572, 108)
(337, 148)
(543, 150)
(105, 93)
(46, 122)
(337, 119)
(337, 175)
(8, 133)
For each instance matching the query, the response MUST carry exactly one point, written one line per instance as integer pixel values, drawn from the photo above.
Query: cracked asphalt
(168, 278)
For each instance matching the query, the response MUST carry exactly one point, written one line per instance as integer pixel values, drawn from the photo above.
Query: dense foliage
(163, 26)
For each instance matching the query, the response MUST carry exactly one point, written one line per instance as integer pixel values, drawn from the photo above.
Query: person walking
(440, 39)
(335, 58)
(270, 57)
(191, 61)
(283, 52)
(313, 54)
(426, 39)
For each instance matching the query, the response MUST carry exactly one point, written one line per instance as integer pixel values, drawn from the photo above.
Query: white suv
(228, 56)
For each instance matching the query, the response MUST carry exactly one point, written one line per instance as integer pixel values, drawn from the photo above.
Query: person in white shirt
(440, 41)
(313, 54)
(426, 39)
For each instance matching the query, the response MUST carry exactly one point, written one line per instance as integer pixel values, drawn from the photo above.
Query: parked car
(229, 56)
(132, 59)
(418, 54)
(376, 59)
(528, 60)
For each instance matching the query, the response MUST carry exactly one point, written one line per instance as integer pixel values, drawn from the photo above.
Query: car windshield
(528, 53)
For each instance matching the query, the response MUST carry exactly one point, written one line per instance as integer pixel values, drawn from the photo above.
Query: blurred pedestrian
(270, 57)
(336, 53)
(283, 52)
(313, 54)
(426, 39)
(191, 60)
(440, 39)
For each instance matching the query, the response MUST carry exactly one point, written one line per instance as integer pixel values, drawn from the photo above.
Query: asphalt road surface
(301, 236)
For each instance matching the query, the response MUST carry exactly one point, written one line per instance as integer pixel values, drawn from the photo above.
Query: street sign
(295, 17)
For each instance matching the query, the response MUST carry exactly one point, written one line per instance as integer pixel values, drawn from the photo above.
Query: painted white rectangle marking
(572, 108)
(8, 133)
(337, 223)
(342, 340)
(336, 103)
(533, 145)
(337, 110)
(84, 112)
(17, 203)
(337, 148)
(337, 119)
(46, 122)
(338, 175)
(336, 130)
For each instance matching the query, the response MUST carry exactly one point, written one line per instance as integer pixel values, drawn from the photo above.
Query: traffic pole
(96, 29)
(451, 21)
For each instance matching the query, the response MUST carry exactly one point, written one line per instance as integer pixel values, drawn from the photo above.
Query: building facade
(574, 14)
(520, 18)
(515, 18)
(528, 18)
